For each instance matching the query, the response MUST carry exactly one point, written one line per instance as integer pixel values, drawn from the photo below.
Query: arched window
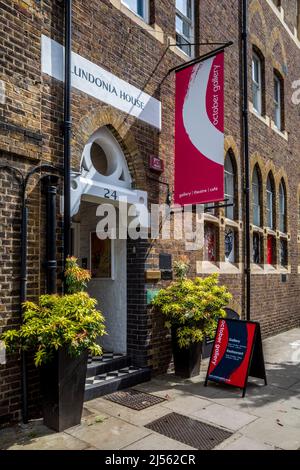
(229, 185)
(256, 197)
(270, 202)
(282, 207)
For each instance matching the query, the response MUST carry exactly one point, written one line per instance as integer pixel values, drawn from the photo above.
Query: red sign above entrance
(199, 132)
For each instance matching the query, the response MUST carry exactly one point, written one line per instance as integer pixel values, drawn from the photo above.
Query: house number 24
(108, 194)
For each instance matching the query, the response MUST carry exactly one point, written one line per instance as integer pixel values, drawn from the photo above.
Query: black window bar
(218, 205)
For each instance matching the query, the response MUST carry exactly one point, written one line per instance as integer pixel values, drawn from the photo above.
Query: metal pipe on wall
(50, 183)
(23, 298)
(246, 157)
(67, 129)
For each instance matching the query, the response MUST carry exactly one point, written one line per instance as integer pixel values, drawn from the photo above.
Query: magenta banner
(199, 132)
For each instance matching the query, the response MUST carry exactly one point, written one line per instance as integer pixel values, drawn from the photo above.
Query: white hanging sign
(101, 84)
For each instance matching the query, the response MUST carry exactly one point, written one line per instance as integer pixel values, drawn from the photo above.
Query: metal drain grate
(134, 399)
(191, 432)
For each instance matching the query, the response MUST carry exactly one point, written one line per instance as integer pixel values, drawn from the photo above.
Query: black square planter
(62, 387)
(186, 360)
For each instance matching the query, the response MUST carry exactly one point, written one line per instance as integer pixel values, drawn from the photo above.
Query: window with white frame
(282, 208)
(270, 202)
(229, 185)
(185, 25)
(256, 198)
(277, 102)
(139, 7)
(257, 83)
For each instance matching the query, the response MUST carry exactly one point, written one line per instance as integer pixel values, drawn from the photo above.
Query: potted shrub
(60, 330)
(192, 308)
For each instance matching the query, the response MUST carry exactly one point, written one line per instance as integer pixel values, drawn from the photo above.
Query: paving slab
(160, 389)
(126, 414)
(186, 405)
(244, 443)
(157, 442)
(112, 434)
(268, 431)
(58, 441)
(23, 434)
(259, 400)
(224, 417)
(282, 378)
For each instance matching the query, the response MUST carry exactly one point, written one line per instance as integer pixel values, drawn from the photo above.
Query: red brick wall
(31, 119)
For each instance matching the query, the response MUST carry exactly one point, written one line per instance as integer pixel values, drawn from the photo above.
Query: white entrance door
(107, 262)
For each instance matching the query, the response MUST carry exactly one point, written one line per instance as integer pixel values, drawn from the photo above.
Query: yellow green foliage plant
(192, 307)
(71, 321)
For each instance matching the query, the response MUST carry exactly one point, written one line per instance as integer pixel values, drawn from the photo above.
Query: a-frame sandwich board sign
(237, 353)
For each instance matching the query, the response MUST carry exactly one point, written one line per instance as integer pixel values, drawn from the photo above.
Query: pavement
(267, 418)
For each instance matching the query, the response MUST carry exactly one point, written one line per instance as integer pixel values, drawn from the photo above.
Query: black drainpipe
(246, 157)
(50, 182)
(23, 298)
(67, 128)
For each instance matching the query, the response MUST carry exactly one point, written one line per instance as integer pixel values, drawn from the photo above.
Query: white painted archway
(113, 183)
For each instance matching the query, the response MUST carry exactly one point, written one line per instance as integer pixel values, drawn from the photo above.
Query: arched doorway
(104, 178)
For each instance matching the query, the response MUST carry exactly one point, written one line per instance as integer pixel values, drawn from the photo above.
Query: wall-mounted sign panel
(101, 84)
(156, 164)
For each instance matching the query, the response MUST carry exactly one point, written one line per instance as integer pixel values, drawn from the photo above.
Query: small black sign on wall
(283, 277)
(165, 266)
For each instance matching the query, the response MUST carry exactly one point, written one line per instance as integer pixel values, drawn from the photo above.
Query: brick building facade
(139, 49)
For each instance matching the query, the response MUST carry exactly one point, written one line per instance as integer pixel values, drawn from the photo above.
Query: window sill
(256, 269)
(224, 267)
(269, 269)
(282, 134)
(211, 218)
(264, 119)
(255, 228)
(232, 223)
(283, 235)
(284, 270)
(207, 267)
(268, 122)
(177, 50)
(153, 30)
(230, 268)
(270, 231)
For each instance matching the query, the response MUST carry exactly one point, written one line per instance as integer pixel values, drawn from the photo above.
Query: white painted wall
(111, 294)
